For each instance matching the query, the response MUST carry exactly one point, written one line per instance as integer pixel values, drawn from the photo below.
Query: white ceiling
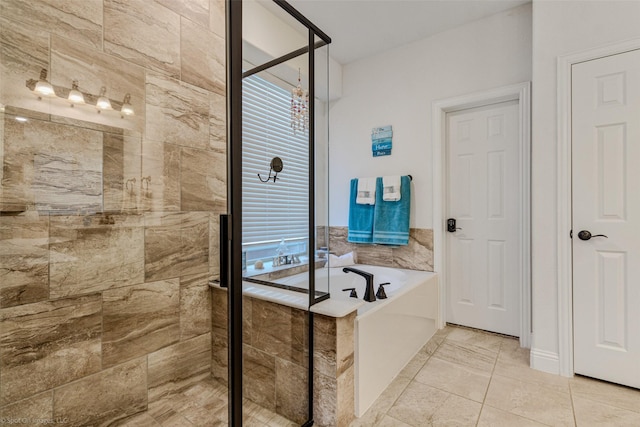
(361, 28)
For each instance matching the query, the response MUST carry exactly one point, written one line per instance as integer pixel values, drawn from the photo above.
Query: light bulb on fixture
(103, 102)
(43, 87)
(127, 109)
(75, 96)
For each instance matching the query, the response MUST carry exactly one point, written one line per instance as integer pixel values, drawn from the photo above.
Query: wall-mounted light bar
(43, 89)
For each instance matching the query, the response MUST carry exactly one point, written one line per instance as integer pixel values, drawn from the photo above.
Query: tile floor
(204, 405)
(461, 377)
(464, 377)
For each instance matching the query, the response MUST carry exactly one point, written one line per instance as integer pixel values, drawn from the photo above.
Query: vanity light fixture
(43, 87)
(103, 102)
(127, 109)
(75, 96)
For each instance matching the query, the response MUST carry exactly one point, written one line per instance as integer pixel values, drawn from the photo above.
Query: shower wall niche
(108, 222)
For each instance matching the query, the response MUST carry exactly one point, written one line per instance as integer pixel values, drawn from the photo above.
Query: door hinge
(571, 234)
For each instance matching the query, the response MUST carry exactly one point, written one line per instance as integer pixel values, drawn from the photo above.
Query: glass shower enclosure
(121, 143)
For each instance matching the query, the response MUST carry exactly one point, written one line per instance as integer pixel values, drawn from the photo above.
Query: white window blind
(272, 211)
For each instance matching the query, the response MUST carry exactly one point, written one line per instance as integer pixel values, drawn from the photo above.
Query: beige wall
(104, 305)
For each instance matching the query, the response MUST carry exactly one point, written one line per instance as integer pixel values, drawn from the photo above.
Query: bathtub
(388, 332)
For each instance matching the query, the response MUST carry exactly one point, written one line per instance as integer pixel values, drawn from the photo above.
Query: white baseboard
(545, 361)
(526, 340)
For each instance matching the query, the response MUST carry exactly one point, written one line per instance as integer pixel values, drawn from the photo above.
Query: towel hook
(275, 165)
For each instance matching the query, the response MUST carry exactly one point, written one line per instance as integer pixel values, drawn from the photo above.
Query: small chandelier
(299, 108)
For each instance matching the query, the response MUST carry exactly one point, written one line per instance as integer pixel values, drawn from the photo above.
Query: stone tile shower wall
(104, 304)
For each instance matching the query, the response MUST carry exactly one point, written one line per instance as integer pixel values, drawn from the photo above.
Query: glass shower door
(279, 230)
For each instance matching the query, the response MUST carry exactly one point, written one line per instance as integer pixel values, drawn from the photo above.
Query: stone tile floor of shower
(461, 377)
(203, 404)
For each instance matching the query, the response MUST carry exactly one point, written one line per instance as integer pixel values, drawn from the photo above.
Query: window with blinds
(272, 211)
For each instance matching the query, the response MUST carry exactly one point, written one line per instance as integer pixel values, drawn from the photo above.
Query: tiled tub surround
(104, 303)
(417, 255)
(359, 347)
(275, 356)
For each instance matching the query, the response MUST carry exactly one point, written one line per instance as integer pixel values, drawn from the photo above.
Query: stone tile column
(334, 370)
(275, 359)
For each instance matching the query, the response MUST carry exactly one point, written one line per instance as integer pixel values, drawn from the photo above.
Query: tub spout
(369, 293)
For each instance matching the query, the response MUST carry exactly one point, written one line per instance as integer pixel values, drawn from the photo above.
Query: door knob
(451, 225)
(586, 235)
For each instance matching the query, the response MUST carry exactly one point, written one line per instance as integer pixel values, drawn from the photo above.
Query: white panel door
(483, 181)
(606, 200)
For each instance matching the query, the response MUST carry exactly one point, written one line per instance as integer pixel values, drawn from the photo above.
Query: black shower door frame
(232, 265)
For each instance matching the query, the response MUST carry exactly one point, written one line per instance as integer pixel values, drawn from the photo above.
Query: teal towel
(391, 219)
(360, 218)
